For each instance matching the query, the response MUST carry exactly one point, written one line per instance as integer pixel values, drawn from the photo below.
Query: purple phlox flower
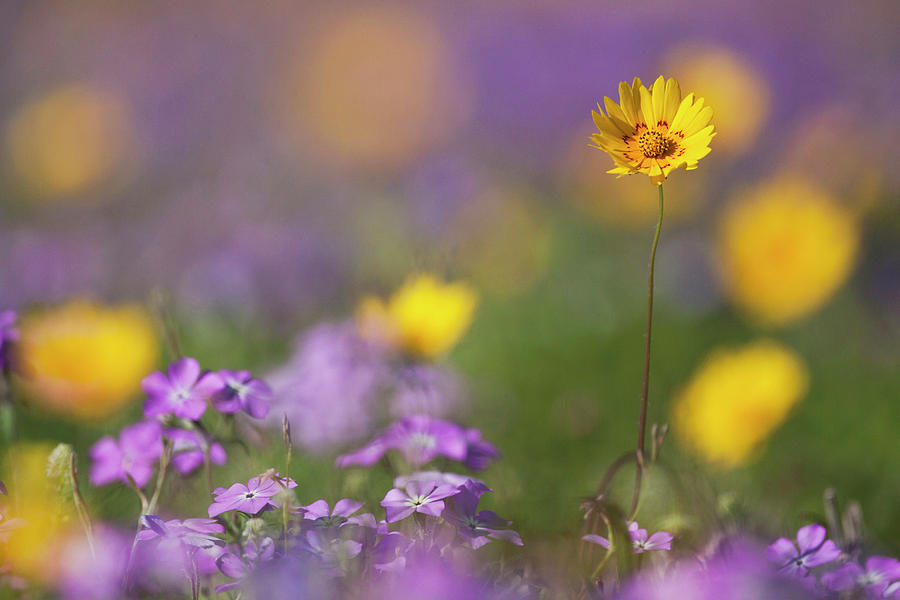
(93, 572)
(135, 454)
(477, 527)
(479, 453)
(426, 498)
(239, 567)
(8, 336)
(736, 570)
(193, 533)
(242, 392)
(329, 388)
(430, 576)
(425, 389)
(811, 550)
(334, 547)
(256, 495)
(3, 489)
(182, 391)
(388, 555)
(419, 438)
(454, 479)
(640, 541)
(892, 590)
(875, 578)
(342, 512)
(187, 449)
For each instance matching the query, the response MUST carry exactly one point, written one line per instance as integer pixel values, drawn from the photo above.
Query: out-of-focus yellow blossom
(425, 317)
(373, 87)
(623, 202)
(69, 141)
(730, 83)
(500, 240)
(44, 518)
(855, 174)
(85, 359)
(653, 131)
(784, 248)
(736, 399)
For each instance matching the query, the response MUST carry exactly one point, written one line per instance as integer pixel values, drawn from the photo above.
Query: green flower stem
(645, 387)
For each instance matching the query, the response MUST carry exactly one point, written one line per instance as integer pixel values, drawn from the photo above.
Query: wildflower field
(572, 300)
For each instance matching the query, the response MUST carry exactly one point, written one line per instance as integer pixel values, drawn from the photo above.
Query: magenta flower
(183, 391)
(256, 495)
(188, 451)
(812, 550)
(417, 497)
(454, 479)
(333, 551)
(388, 555)
(8, 336)
(93, 571)
(419, 438)
(135, 454)
(735, 570)
(191, 533)
(242, 392)
(239, 567)
(319, 512)
(330, 386)
(478, 528)
(640, 541)
(874, 578)
(479, 453)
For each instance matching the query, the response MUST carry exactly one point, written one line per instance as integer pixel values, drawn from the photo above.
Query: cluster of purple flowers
(336, 541)
(176, 401)
(820, 565)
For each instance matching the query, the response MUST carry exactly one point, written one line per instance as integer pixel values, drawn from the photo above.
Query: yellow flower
(38, 517)
(374, 87)
(784, 248)
(70, 141)
(729, 82)
(424, 317)
(653, 131)
(84, 359)
(736, 399)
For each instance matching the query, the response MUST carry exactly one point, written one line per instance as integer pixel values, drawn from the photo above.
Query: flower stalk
(645, 384)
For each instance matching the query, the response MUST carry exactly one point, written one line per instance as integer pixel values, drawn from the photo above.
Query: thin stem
(164, 459)
(645, 386)
(612, 470)
(80, 506)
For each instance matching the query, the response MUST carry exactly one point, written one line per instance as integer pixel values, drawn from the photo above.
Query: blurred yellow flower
(41, 517)
(653, 131)
(784, 248)
(373, 86)
(730, 83)
(425, 317)
(69, 141)
(736, 399)
(85, 359)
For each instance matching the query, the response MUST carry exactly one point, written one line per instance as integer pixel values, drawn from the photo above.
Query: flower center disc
(653, 144)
